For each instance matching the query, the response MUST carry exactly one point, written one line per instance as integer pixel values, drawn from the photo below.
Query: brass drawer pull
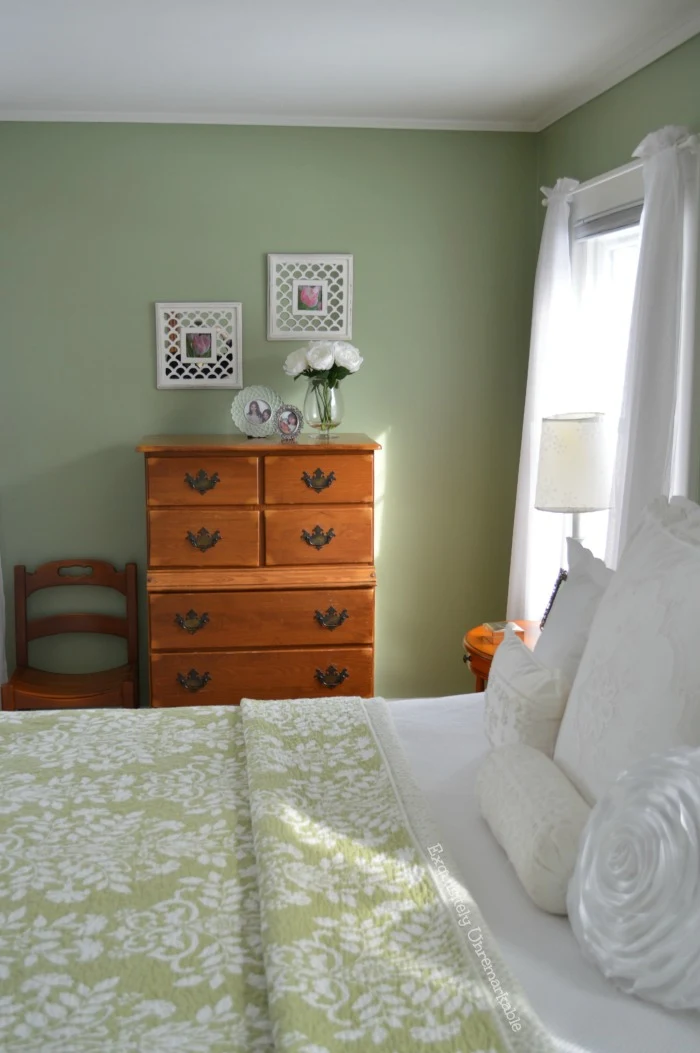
(202, 482)
(332, 676)
(193, 681)
(192, 622)
(203, 540)
(317, 538)
(317, 481)
(332, 618)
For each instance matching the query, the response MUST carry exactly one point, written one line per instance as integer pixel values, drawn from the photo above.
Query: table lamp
(574, 466)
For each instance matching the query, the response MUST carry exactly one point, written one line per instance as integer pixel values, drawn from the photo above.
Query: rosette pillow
(634, 898)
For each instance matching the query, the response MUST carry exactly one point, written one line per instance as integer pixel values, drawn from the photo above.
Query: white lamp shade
(574, 467)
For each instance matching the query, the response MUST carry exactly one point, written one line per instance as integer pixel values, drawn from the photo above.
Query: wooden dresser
(260, 567)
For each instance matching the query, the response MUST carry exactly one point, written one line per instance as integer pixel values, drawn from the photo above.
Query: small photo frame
(257, 411)
(309, 297)
(561, 578)
(254, 411)
(199, 345)
(289, 422)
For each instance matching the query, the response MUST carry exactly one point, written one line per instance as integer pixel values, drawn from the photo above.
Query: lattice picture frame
(199, 345)
(309, 296)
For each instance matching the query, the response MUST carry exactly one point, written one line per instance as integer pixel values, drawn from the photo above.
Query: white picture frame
(254, 410)
(326, 310)
(216, 363)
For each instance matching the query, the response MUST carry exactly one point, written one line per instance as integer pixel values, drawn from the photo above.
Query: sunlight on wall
(379, 487)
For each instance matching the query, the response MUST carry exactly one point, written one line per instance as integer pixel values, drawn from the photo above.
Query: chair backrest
(75, 572)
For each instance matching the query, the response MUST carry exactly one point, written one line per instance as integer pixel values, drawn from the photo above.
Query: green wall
(100, 221)
(602, 134)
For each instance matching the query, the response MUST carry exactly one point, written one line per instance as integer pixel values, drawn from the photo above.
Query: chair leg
(8, 697)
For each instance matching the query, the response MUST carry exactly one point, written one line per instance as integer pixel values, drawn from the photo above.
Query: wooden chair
(30, 688)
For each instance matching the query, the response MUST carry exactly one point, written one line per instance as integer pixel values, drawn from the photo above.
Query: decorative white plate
(253, 411)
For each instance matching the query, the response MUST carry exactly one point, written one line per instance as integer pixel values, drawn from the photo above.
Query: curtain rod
(632, 166)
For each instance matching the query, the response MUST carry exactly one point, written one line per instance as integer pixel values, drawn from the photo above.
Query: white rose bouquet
(326, 363)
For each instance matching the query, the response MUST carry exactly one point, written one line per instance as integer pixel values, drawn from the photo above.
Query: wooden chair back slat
(30, 688)
(49, 575)
(98, 572)
(55, 624)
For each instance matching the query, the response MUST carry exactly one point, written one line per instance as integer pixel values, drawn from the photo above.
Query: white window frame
(609, 202)
(607, 193)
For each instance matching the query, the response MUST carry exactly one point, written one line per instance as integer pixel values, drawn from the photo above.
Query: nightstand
(479, 649)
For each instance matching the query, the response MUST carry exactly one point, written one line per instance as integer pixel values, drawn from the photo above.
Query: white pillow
(537, 816)
(634, 899)
(524, 701)
(637, 689)
(565, 632)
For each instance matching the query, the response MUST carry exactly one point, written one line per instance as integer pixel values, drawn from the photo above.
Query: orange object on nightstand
(479, 649)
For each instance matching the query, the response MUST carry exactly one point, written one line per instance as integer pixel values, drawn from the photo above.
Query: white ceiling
(501, 64)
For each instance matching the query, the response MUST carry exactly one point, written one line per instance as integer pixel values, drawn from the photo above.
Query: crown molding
(636, 58)
(267, 120)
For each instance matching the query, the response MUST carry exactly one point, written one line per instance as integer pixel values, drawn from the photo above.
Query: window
(605, 254)
(604, 269)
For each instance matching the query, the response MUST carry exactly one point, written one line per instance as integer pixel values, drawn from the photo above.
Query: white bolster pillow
(537, 816)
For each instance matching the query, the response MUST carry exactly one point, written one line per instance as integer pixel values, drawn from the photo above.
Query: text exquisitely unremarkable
(455, 893)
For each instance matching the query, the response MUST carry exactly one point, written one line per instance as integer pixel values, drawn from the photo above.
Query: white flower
(320, 354)
(295, 362)
(347, 356)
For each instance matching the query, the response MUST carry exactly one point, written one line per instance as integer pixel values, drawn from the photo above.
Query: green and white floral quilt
(216, 880)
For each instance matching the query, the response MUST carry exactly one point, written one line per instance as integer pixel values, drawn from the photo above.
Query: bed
(128, 874)
(444, 742)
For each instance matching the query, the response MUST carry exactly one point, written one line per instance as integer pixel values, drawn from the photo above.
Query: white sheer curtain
(537, 536)
(656, 441)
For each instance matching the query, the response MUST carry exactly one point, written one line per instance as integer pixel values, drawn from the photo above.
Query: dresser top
(239, 443)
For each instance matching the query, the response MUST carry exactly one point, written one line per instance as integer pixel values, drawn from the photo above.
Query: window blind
(606, 222)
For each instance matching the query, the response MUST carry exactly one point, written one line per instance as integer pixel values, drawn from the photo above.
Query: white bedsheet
(444, 741)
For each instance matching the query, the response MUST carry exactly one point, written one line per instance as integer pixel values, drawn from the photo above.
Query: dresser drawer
(226, 537)
(328, 616)
(201, 480)
(341, 478)
(221, 678)
(296, 536)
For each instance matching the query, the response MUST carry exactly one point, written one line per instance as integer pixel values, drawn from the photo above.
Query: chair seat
(104, 688)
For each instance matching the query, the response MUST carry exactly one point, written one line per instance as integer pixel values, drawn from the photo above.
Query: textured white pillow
(566, 630)
(637, 689)
(634, 899)
(537, 816)
(524, 700)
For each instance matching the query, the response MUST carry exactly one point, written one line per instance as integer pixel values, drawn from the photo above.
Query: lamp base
(576, 534)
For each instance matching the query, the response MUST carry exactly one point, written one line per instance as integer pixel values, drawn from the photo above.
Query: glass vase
(323, 405)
